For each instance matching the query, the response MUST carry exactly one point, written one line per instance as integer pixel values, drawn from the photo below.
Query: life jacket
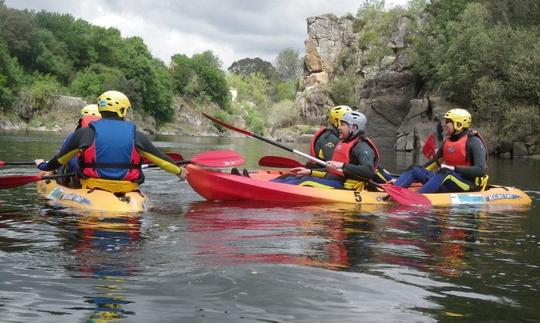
(312, 150)
(342, 154)
(455, 154)
(112, 155)
(343, 150)
(85, 121)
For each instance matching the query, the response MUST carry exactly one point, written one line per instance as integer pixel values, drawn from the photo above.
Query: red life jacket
(85, 121)
(312, 151)
(455, 152)
(343, 150)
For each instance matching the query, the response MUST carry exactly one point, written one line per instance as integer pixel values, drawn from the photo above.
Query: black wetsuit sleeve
(80, 139)
(362, 162)
(477, 153)
(149, 151)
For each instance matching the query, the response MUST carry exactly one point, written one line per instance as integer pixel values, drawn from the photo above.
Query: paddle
(401, 195)
(174, 156)
(279, 162)
(217, 158)
(213, 158)
(12, 181)
(429, 147)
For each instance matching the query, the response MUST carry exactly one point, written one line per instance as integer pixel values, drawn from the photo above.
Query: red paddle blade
(228, 126)
(429, 147)
(2, 163)
(278, 161)
(405, 197)
(175, 156)
(17, 180)
(219, 158)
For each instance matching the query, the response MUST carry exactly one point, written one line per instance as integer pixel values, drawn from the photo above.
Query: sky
(231, 29)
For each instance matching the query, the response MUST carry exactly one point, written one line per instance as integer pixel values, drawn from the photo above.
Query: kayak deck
(217, 185)
(90, 199)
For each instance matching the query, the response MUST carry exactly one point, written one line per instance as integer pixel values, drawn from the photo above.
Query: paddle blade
(17, 180)
(218, 158)
(228, 126)
(429, 147)
(2, 163)
(405, 197)
(279, 162)
(175, 156)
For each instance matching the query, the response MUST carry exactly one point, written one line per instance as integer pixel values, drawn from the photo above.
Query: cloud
(232, 29)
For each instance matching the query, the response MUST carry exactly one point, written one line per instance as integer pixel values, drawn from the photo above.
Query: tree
(247, 66)
(288, 64)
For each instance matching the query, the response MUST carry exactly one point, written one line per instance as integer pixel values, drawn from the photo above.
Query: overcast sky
(231, 29)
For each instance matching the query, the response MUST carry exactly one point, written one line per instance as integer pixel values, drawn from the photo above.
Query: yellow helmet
(90, 110)
(460, 117)
(336, 113)
(114, 101)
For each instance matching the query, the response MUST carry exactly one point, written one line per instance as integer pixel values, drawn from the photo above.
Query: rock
(312, 60)
(519, 149)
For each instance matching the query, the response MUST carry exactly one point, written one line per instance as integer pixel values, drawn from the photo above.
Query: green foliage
(343, 91)
(289, 64)
(223, 116)
(377, 26)
(85, 59)
(484, 54)
(247, 66)
(200, 78)
(251, 88)
(283, 114)
(255, 119)
(37, 96)
(10, 76)
(286, 90)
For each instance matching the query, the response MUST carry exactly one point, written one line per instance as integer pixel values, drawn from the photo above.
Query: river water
(188, 260)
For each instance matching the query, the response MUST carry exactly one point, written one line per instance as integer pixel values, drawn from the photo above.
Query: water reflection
(104, 249)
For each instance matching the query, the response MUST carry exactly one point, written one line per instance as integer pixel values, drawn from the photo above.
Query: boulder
(519, 149)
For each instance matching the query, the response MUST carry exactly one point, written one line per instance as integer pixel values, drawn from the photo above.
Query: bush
(283, 114)
(343, 92)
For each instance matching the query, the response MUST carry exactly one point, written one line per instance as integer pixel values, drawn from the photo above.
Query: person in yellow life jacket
(353, 161)
(89, 113)
(326, 138)
(460, 164)
(111, 149)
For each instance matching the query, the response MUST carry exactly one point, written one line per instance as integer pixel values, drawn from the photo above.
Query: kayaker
(353, 162)
(89, 113)
(111, 150)
(460, 163)
(326, 138)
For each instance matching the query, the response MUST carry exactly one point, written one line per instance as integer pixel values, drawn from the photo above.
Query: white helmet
(355, 118)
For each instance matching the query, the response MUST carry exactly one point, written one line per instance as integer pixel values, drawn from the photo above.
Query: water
(188, 260)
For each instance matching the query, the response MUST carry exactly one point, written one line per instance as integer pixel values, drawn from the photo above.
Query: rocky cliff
(387, 93)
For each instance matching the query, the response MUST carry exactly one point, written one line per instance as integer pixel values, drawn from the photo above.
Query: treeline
(484, 54)
(43, 54)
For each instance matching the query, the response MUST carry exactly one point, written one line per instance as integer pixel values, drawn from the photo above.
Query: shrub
(343, 92)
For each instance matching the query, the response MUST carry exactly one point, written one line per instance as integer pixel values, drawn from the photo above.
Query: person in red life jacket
(326, 138)
(111, 150)
(89, 113)
(353, 161)
(460, 162)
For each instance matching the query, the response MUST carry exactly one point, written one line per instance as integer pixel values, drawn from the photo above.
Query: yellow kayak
(90, 199)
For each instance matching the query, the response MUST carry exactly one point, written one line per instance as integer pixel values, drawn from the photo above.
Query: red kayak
(216, 185)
